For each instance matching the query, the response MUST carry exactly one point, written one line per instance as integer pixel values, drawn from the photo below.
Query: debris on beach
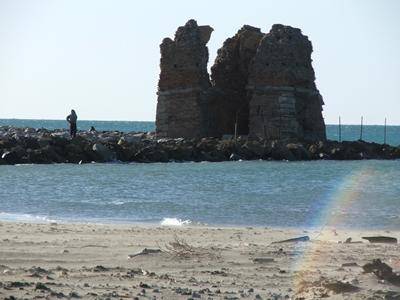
(180, 248)
(305, 238)
(145, 251)
(383, 271)
(350, 264)
(350, 241)
(263, 260)
(100, 268)
(323, 288)
(41, 286)
(339, 287)
(380, 239)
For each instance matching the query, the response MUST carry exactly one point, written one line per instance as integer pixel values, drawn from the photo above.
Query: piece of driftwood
(305, 238)
(380, 239)
(350, 264)
(263, 260)
(145, 251)
(181, 249)
(350, 241)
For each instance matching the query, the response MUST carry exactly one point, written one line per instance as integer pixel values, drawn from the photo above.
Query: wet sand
(92, 261)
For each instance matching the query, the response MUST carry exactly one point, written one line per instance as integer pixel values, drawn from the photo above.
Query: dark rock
(144, 285)
(281, 152)
(256, 148)
(11, 157)
(180, 152)
(234, 157)
(51, 154)
(105, 146)
(151, 154)
(340, 287)
(39, 270)
(41, 286)
(58, 295)
(263, 260)
(31, 143)
(18, 284)
(299, 151)
(42, 156)
(7, 143)
(183, 291)
(382, 271)
(44, 141)
(196, 295)
(124, 153)
(105, 153)
(74, 295)
(60, 142)
(99, 269)
(388, 295)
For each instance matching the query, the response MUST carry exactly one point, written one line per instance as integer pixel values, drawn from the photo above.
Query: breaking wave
(24, 218)
(174, 222)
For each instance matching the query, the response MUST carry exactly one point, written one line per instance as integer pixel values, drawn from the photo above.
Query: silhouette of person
(72, 119)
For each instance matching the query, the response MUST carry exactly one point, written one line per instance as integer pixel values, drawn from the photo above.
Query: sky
(102, 57)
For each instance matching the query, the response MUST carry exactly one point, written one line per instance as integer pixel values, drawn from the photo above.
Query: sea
(315, 194)
(370, 133)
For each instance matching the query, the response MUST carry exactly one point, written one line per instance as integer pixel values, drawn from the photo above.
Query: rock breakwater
(42, 146)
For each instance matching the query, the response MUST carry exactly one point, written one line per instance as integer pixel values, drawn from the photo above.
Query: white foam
(118, 202)
(174, 222)
(24, 218)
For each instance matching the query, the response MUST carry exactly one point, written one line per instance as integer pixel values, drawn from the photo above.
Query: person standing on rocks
(72, 119)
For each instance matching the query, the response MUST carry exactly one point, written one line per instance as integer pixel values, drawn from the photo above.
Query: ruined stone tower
(285, 103)
(262, 83)
(183, 83)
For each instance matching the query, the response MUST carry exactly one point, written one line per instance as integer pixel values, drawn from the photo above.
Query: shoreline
(288, 230)
(199, 225)
(92, 261)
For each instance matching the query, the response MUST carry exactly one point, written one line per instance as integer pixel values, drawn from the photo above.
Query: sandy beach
(91, 261)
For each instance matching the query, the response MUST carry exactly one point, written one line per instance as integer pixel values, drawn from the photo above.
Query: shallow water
(357, 194)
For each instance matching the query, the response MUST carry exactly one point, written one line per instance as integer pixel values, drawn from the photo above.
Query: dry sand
(87, 261)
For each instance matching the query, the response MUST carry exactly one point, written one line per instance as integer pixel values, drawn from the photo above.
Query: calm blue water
(357, 194)
(309, 194)
(371, 133)
(124, 126)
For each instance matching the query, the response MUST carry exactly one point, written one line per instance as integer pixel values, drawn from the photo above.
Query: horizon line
(87, 120)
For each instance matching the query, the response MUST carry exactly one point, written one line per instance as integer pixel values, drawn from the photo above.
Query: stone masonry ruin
(261, 84)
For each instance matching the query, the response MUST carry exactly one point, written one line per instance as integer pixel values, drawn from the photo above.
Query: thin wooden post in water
(384, 136)
(361, 128)
(236, 123)
(340, 130)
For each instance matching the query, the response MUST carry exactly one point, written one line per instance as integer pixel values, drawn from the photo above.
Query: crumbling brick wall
(264, 83)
